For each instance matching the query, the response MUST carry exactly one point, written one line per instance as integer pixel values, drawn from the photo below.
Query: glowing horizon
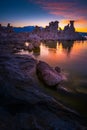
(40, 12)
(76, 25)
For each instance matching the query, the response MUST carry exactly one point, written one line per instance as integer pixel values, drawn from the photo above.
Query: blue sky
(41, 12)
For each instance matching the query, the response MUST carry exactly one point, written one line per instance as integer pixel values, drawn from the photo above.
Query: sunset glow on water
(66, 53)
(71, 57)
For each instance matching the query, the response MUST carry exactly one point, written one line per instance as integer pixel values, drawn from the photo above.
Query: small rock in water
(47, 74)
(58, 69)
(31, 47)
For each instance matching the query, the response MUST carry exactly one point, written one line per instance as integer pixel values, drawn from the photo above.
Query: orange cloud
(81, 21)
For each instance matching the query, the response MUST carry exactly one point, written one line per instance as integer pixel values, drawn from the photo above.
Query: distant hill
(24, 29)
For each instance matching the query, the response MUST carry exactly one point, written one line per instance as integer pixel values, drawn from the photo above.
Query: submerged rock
(47, 74)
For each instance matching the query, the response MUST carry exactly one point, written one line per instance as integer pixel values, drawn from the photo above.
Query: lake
(71, 57)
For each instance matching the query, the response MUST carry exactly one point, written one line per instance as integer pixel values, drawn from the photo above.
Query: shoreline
(22, 97)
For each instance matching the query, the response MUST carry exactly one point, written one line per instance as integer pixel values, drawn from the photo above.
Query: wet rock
(36, 44)
(47, 74)
(58, 69)
(17, 81)
(33, 45)
(30, 47)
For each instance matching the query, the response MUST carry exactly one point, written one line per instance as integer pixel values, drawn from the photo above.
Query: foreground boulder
(23, 105)
(48, 75)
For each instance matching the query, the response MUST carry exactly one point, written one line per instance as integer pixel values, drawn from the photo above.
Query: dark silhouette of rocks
(70, 27)
(53, 26)
(50, 32)
(54, 32)
(8, 29)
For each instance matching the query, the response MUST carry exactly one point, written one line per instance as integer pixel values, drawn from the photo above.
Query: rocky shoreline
(50, 32)
(24, 105)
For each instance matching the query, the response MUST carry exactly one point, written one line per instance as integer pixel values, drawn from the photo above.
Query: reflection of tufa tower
(72, 26)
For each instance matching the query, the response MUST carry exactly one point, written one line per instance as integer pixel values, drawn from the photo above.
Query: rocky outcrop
(51, 32)
(48, 75)
(54, 32)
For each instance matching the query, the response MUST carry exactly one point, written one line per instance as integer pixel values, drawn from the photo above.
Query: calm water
(71, 57)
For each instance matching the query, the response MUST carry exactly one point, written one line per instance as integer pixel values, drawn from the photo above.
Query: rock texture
(23, 104)
(48, 75)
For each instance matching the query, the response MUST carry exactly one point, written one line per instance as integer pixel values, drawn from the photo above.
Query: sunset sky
(41, 12)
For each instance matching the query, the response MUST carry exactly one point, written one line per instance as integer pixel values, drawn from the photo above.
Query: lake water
(71, 57)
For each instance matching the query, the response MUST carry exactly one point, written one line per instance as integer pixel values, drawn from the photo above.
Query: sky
(40, 12)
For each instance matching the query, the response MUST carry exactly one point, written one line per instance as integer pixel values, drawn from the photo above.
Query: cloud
(82, 21)
(66, 9)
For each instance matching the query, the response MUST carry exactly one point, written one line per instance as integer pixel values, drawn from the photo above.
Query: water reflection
(36, 52)
(65, 46)
(71, 57)
(50, 44)
(52, 47)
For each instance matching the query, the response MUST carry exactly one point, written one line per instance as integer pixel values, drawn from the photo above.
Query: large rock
(47, 74)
